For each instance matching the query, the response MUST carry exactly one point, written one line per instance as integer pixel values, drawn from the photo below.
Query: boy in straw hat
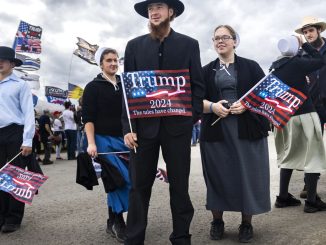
(312, 27)
(17, 128)
(162, 49)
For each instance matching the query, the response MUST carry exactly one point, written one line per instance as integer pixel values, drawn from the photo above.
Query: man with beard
(162, 49)
(311, 27)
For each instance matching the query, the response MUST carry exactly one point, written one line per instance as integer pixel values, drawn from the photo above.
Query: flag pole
(126, 104)
(11, 160)
(250, 90)
(112, 153)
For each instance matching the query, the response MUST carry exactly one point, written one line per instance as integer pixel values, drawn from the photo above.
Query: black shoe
(119, 228)
(109, 227)
(287, 202)
(310, 207)
(47, 162)
(7, 228)
(303, 193)
(246, 232)
(217, 229)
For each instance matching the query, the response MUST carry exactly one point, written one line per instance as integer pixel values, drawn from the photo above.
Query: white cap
(288, 46)
(98, 55)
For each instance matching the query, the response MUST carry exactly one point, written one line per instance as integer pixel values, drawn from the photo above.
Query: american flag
(28, 38)
(162, 175)
(20, 183)
(158, 93)
(275, 100)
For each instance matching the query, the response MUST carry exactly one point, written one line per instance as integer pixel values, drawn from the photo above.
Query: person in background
(195, 133)
(234, 151)
(36, 148)
(57, 132)
(70, 128)
(311, 27)
(17, 126)
(46, 134)
(80, 126)
(299, 144)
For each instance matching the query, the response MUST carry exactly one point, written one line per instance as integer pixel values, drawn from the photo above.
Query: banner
(28, 38)
(56, 92)
(29, 64)
(55, 95)
(55, 100)
(74, 91)
(274, 100)
(86, 51)
(158, 93)
(20, 183)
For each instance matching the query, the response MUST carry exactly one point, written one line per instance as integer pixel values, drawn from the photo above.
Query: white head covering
(98, 55)
(288, 46)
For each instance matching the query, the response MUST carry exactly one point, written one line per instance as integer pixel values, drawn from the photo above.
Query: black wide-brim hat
(142, 7)
(7, 53)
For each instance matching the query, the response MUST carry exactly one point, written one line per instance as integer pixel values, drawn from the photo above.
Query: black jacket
(293, 72)
(176, 52)
(317, 85)
(86, 176)
(102, 105)
(251, 126)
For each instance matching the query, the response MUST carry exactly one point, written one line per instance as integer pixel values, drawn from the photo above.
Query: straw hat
(310, 21)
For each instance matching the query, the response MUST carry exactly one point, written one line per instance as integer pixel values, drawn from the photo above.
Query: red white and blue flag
(28, 38)
(29, 64)
(20, 183)
(274, 100)
(158, 93)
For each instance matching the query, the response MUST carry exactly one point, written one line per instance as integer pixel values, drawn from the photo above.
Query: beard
(159, 31)
(318, 42)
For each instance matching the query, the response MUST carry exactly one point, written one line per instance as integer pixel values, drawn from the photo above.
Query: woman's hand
(237, 108)
(131, 140)
(92, 150)
(219, 109)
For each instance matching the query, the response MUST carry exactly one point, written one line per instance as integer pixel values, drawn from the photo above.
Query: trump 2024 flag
(274, 100)
(158, 93)
(20, 183)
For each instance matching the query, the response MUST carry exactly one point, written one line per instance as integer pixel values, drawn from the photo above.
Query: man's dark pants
(143, 167)
(71, 143)
(11, 138)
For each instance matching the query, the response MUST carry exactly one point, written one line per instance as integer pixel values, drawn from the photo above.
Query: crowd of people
(234, 151)
(57, 130)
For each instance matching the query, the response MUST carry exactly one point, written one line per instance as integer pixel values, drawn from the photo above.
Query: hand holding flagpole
(127, 108)
(250, 90)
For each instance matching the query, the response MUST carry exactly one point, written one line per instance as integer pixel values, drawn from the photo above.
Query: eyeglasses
(223, 38)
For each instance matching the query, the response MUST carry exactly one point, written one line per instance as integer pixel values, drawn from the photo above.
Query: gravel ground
(66, 213)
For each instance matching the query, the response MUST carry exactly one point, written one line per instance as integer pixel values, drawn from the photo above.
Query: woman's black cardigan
(251, 126)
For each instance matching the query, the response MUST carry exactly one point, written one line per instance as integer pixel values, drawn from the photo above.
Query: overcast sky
(260, 23)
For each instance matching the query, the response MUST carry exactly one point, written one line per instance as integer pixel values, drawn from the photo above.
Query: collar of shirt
(11, 77)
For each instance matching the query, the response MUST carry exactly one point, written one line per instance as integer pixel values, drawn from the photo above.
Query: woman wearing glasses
(234, 150)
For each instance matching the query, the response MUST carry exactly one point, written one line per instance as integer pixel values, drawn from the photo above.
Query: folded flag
(28, 38)
(274, 100)
(74, 91)
(29, 64)
(20, 183)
